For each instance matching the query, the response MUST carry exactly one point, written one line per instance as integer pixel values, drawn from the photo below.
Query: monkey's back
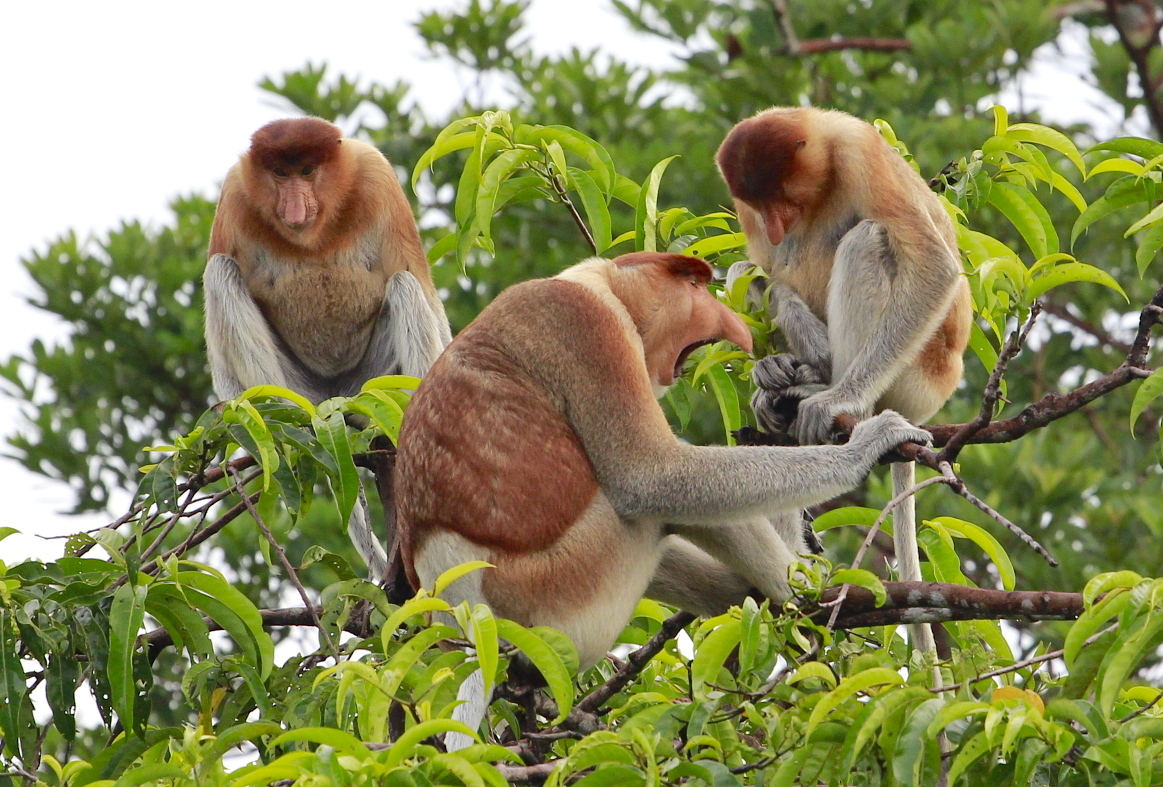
(480, 421)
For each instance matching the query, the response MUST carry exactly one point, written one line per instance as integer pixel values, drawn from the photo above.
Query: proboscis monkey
(866, 281)
(316, 280)
(536, 443)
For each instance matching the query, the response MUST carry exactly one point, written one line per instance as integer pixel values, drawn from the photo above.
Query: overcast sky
(115, 108)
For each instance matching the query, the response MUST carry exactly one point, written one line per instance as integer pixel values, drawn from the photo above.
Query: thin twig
(1063, 313)
(992, 392)
(1050, 656)
(286, 563)
(872, 531)
(1143, 709)
(958, 486)
(635, 663)
(563, 194)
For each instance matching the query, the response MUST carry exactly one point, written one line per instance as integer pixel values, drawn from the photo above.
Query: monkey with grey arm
(865, 282)
(536, 443)
(317, 281)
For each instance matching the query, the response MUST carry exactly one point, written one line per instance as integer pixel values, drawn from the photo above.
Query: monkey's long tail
(471, 710)
(366, 542)
(908, 561)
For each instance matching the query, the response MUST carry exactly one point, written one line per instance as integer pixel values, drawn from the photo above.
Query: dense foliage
(583, 160)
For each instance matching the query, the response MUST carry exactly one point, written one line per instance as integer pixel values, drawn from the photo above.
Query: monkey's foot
(782, 382)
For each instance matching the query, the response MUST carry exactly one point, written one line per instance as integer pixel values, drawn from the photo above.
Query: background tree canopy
(133, 373)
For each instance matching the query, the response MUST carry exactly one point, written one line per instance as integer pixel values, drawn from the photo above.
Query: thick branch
(933, 602)
(1138, 23)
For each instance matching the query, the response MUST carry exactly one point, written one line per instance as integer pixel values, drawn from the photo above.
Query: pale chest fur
(323, 309)
(804, 261)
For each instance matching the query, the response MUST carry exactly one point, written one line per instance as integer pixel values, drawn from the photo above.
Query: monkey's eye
(307, 170)
(280, 172)
(694, 282)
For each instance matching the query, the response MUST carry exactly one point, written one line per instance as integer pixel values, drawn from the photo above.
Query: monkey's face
(296, 204)
(776, 169)
(675, 313)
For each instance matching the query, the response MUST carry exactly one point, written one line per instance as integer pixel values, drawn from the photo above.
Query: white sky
(116, 108)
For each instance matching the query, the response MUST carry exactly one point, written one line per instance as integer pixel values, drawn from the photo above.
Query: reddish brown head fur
(759, 155)
(678, 265)
(295, 142)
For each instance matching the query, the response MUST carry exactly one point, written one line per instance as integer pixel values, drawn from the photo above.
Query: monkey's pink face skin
(297, 206)
(778, 219)
(707, 320)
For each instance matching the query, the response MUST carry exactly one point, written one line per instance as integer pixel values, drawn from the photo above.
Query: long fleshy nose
(733, 329)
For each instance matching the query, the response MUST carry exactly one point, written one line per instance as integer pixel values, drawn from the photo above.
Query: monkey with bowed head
(317, 281)
(536, 443)
(866, 281)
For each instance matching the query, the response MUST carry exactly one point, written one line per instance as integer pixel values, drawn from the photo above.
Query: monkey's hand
(815, 420)
(755, 289)
(883, 432)
(781, 383)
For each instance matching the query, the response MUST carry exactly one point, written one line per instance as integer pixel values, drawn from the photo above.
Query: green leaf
(594, 204)
(711, 654)
(1027, 215)
(232, 610)
(456, 572)
(1124, 659)
(989, 545)
(256, 427)
(576, 142)
(1072, 272)
(497, 171)
(1149, 244)
(1153, 216)
(126, 617)
(13, 685)
(483, 635)
(850, 686)
(1050, 138)
(728, 400)
(1089, 623)
(971, 751)
(545, 659)
(453, 137)
(186, 627)
(646, 215)
(412, 607)
(714, 244)
(391, 382)
(847, 516)
(861, 578)
(910, 746)
(339, 740)
(332, 435)
(278, 392)
(1150, 390)
(1123, 193)
(412, 737)
(1136, 146)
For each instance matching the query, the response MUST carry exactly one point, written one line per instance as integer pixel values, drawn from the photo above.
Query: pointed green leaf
(545, 659)
(647, 211)
(126, 617)
(1149, 390)
(1027, 215)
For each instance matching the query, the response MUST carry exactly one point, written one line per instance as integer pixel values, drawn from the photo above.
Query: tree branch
(635, 663)
(934, 602)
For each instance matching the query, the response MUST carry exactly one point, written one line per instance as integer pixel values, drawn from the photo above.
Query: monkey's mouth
(686, 353)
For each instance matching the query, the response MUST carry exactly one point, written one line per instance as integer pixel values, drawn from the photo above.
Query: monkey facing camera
(317, 281)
